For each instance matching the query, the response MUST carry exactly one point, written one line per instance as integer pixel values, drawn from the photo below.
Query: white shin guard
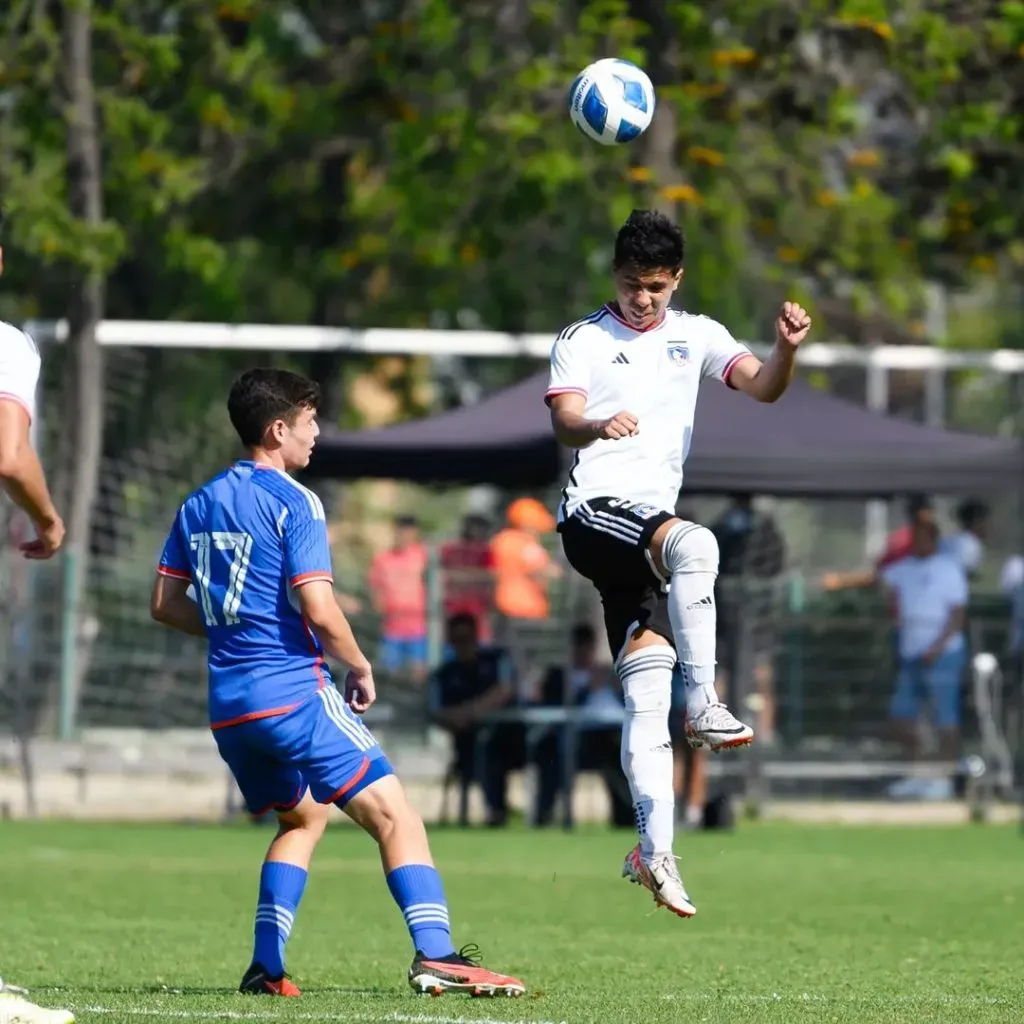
(646, 677)
(690, 554)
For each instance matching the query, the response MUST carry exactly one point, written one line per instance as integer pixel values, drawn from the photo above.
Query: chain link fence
(99, 688)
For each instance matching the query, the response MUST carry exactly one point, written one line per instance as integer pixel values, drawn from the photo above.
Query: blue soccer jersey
(247, 539)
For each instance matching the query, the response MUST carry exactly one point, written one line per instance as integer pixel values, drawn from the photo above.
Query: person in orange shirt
(522, 566)
(399, 592)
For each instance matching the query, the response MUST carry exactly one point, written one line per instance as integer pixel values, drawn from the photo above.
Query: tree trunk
(659, 142)
(84, 381)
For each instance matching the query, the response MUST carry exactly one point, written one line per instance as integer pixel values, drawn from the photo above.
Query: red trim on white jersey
(10, 396)
(625, 323)
(551, 392)
(732, 364)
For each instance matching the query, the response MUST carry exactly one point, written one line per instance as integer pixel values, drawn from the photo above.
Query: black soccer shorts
(606, 540)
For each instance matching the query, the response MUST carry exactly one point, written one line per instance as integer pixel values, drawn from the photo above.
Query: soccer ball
(611, 101)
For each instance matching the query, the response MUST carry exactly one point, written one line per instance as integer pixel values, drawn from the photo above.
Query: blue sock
(419, 893)
(281, 887)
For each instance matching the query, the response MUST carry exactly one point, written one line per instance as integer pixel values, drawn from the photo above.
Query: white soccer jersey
(19, 367)
(653, 374)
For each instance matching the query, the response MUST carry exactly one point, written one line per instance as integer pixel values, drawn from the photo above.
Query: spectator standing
(467, 566)
(967, 545)
(399, 593)
(898, 545)
(750, 548)
(929, 589)
(522, 566)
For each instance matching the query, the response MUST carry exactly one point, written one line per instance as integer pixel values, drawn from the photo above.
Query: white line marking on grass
(935, 999)
(370, 1018)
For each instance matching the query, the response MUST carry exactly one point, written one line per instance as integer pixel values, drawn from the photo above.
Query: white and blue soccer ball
(611, 101)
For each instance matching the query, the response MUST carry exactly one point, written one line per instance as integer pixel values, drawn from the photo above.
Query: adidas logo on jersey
(620, 358)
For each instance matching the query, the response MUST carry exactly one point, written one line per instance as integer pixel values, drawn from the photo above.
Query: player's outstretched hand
(360, 692)
(47, 542)
(622, 424)
(793, 324)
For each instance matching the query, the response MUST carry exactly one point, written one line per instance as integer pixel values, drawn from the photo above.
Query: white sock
(646, 677)
(690, 553)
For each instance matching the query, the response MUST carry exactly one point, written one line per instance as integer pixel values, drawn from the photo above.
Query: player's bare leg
(687, 555)
(383, 810)
(645, 670)
(282, 882)
(15, 1008)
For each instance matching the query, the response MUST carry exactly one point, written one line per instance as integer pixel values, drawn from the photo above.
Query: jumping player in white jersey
(23, 479)
(622, 392)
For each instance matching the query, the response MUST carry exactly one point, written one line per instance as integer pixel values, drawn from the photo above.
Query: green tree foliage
(409, 162)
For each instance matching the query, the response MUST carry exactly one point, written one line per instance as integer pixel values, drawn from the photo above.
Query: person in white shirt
(930, 593)
(967, 545)
(622, 393)
(22, 477)
(1011, 583)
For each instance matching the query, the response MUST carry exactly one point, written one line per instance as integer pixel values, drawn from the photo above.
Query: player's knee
(646, 678)
(308, 816)
(688, 547)
(383, 810)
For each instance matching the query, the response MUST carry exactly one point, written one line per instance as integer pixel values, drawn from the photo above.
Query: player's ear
(275, 432)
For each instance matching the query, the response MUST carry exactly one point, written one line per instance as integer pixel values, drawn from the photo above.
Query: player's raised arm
(767, 381)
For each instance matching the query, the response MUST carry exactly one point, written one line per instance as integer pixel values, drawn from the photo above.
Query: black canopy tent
(809, 444)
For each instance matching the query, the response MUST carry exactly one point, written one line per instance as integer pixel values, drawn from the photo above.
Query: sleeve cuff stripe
(178, 574)
(310, 577)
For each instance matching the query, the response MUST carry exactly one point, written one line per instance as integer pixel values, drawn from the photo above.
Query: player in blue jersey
(247, 565)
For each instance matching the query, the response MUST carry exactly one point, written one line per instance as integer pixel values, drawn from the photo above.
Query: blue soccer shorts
(937, 685)
(322, 746)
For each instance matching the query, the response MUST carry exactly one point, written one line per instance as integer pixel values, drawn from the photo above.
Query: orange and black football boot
(257, 982)
(461, 972)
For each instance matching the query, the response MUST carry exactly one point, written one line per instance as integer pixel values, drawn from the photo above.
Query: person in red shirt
(399, 593)
(467, 568)
(898, 545)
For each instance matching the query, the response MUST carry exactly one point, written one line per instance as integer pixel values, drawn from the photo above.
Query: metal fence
(102, 675)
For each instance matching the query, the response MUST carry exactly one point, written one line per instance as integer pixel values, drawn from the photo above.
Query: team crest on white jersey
(679, 354)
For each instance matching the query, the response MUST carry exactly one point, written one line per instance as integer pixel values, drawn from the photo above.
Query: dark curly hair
(263, 395)
(649, 241)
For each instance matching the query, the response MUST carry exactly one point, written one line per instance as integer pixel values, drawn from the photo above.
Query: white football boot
(661, 879)
(716, 727)
(16, 1009)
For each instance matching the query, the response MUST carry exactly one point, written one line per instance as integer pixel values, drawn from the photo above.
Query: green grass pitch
(794, 924)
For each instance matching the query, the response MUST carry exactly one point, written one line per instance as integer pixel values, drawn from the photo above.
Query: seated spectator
(595, 689)
(930, 595)
(467, 567)
(474, 681)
